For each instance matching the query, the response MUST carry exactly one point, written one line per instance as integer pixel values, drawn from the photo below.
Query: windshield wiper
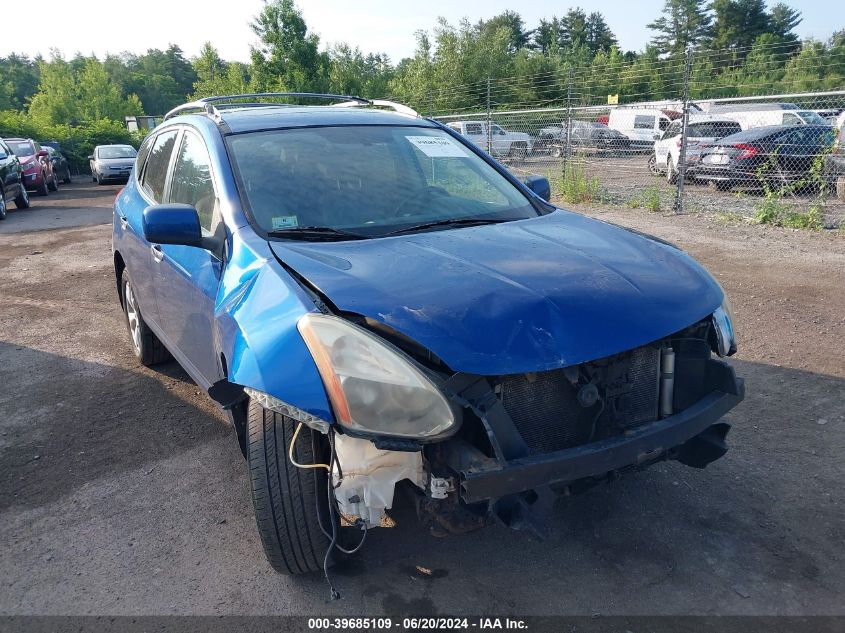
(316, 234)
(448, 222)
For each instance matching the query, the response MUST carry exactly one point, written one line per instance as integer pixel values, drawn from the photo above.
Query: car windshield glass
(116, 152)
(368, 180)
(21, 148)
(812, 118)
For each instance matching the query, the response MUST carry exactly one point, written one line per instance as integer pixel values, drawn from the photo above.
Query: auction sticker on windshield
(437, 147)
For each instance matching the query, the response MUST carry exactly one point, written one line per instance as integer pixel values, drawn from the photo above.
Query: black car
(11, 181)
(61, 166)
(766, 157)
(584, 135)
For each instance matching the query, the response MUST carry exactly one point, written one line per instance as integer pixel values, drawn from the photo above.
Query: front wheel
(53, 185)
(145, 344)
(652, 165)
(22, 201)
(67, 179)
(42, 188)
(519, 151)
(2, 206)
(287, 499)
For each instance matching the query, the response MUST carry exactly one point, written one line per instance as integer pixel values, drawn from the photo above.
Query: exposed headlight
(280, 406)
(723, 319)
(373, 388)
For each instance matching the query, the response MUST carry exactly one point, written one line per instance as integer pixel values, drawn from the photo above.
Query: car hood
(516, 297)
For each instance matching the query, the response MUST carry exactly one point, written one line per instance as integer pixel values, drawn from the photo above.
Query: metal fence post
(430, 102)
(489, 128)
(568, 147)
(682, 157)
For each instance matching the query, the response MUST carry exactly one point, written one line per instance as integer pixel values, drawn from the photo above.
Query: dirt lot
(123, 492)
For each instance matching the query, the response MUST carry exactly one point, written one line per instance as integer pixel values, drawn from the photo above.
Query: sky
(373, 25)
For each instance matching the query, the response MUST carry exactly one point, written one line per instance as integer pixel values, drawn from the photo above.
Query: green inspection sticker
(284, 222)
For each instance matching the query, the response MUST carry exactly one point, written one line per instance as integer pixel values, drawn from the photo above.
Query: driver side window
(191, 182)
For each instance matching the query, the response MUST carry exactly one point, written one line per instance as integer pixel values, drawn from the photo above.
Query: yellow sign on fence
(612, 99)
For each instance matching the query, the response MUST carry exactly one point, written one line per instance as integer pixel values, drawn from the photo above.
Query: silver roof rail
(398, 107)
(206, 104)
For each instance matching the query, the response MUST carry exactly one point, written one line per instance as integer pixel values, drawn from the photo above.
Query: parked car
(773, 156)
(583, 135)
(701, 129)
(751, 115)
(61, 166)
(38, 174)
(376, 295)
(835, 161)
(12, 188)
(111, 163)
(642, 126)
(504, 144)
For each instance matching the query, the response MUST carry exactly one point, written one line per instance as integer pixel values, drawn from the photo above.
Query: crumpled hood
(522, 296)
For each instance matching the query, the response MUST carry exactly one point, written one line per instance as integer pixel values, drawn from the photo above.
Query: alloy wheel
(132, 317)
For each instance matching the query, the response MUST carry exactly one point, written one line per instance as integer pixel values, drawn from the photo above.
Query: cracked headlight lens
(373, 388)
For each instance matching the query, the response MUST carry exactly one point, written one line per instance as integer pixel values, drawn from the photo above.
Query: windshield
(369, 180)
(21, 148)
(116, 152)
(812, 118)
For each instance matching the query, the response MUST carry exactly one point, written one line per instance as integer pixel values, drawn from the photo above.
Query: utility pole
(568, 147)
(682, 157)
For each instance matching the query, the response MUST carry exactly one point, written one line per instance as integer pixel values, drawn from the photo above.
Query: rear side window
(643, 122)
(474, 128)
(191, 183)
(155, 173)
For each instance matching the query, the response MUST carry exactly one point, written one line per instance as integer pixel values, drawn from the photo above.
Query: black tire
(147, 348)
(22, 201)
(93, 177)
(42, 188)
(519, 151)
(287, 499)
(2, 205)
(53, 184)
(556, 151)
(67, 178)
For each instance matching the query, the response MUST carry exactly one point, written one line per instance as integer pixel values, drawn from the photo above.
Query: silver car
(112, 163)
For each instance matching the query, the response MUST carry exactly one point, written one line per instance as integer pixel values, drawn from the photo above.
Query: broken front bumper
(686, 436)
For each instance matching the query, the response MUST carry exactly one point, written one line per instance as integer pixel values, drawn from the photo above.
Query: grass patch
(650, 199)
(774, 212)
(730, 217)
(574, 186)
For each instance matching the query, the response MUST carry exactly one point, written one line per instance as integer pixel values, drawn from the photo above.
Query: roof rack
(207, 104)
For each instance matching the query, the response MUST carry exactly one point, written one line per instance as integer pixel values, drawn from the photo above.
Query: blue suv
(372, 300)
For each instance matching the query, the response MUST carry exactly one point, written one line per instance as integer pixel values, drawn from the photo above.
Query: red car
(38, 174)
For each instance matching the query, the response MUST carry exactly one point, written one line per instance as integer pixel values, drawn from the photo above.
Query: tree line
(740, 47)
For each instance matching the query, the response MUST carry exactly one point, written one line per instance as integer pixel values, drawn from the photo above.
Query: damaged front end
(523, 439)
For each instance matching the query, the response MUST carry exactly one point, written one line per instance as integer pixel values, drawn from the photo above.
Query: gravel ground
(123, 491)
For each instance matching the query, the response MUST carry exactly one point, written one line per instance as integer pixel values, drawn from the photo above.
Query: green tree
(599, 35)
(19, 77)
(288, 57)
(684, 23)
(511, 21)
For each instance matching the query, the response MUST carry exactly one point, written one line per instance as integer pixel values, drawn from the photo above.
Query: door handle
(124, 222)
(158, 254)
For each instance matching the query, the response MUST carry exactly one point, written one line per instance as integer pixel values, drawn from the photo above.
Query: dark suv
(11, 181)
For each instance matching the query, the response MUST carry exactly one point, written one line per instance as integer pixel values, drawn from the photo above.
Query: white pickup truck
(504, 144)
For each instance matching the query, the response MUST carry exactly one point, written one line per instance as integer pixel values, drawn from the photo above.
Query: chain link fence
(777, 159)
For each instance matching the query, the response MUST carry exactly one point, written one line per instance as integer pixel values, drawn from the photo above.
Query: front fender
(257, 309)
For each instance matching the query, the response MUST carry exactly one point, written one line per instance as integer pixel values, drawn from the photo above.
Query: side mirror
(91, 157)
(540, 186)
(42, 153)
(178, 224)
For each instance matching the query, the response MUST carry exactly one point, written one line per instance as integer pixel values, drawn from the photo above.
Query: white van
(642, 125)
(751, 115)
